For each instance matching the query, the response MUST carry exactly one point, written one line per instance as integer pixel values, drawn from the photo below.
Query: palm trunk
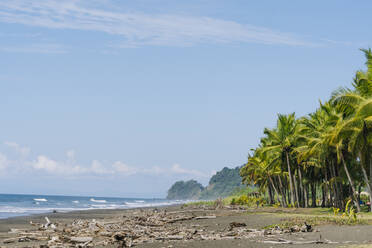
(306, 197)
(290, 180)
(313, 195)
(270, 193)
(341, 190)
(366, 182)
(302, 193)
(370, 171)
(328, 198)
(284, 199)
(296, 190)
(355, 196)
(276, 191)
(324, 196)
(336, 189)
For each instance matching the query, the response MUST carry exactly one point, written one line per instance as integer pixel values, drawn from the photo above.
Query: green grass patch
(199, 203)
(315, 221)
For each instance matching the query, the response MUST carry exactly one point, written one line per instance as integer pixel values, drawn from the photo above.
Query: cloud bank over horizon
(70, 168)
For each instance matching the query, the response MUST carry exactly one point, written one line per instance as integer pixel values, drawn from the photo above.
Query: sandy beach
(255, 219)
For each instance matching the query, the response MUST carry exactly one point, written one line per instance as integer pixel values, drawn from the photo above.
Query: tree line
(322, 159)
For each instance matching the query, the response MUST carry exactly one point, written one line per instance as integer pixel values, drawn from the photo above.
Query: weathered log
(80, 239)
(205, 217)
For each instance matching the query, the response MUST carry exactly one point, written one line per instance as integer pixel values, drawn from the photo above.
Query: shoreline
(85, 213)
(183, 218)
(12, 211)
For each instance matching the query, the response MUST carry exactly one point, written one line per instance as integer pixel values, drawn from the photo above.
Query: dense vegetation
(185, 190)
(222, 184)
(322, 159)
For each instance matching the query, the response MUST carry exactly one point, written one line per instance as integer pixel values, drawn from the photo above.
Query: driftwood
(293, 242)
(205, 217)
(141, 226)
(180, 219)
(81, 239)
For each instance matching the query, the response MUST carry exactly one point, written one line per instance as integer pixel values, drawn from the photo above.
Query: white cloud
(24, 151)
(69, 166)
(124, 169)
(45, 48)
(98, 168)
(139, 29)
(51, 166)
(44, 163)
(70, 155)
(155, 170)
(177, 169)
(4, 162)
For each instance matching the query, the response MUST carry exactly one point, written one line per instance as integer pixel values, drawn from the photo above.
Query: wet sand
(255, 219)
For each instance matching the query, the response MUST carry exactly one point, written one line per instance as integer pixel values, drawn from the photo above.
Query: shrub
(248, 201)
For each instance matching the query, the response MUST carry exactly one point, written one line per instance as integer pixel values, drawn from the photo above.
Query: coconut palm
(329, 149)
(281, 143)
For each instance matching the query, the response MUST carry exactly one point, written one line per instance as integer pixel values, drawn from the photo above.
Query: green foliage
(223, 184)
(350, 213)
(200, 203)
(327, 150)
(314, 221)
(335, 211)
(276, 205)
(249, 201)
(185, 190)
(349, 216)
(244, 191)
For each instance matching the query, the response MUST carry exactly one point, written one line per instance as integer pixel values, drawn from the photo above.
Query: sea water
(21, 205)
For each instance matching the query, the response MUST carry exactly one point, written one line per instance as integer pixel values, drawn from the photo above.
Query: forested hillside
(222, 184)
(185, 190)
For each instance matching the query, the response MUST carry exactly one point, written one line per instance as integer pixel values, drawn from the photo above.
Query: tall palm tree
(330, 148)
(358, 130)
(282, 139)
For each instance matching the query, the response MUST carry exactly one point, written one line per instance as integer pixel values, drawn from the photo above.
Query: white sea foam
(11, 209)
(104, 206)
(38, 205)
(99, 201)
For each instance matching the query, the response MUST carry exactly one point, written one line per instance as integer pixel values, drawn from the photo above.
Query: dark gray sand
(344, 235)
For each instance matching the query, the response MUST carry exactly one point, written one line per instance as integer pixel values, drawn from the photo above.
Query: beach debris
(205, 217)
(296, 242)
(306, 228)
(236, 224)
(10, 240)
(48, 224)
(144, 226)
(294, 228)
(80, 239)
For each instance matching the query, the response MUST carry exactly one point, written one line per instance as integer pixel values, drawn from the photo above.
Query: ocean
(12, 205)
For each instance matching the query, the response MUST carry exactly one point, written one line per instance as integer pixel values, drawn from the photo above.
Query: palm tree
(358, 130)
(281, 141)
(330, 148)
(356, 106)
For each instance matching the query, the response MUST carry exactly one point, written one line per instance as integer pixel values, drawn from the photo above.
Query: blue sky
(122, 98)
